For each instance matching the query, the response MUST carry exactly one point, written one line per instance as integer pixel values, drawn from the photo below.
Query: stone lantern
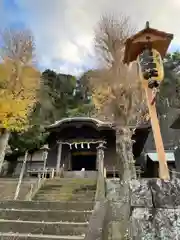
(45, 150)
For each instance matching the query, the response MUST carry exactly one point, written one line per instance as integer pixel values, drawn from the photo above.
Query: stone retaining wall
(154, 209)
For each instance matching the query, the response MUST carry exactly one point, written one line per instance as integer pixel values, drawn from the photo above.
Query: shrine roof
(88, 120)
(175, 119)
(176, 123)
(83, 120)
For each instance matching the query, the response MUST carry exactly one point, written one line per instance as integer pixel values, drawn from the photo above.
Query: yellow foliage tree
(19, 82)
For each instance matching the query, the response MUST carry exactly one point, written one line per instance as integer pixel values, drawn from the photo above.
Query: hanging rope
(82, 144)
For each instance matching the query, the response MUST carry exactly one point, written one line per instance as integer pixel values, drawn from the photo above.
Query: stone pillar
(58, 159)
(100, 157)
(45, 149)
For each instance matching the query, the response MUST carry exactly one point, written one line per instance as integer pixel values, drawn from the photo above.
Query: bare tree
(18, 46)
(110, 36)
(117, 93)
(116, 88)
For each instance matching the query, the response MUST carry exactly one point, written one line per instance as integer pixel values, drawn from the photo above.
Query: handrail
(100, 187)
(21, 176)
(97, 219)
(96, 222)
(40, 182)
(36, 186)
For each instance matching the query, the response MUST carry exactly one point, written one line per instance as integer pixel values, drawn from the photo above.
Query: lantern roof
(158, 40)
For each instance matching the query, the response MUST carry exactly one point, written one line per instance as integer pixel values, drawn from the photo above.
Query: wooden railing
(21, 176)
(36, 186)
(41, 181)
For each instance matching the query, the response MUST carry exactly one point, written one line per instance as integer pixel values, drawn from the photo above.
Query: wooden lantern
(135, 45)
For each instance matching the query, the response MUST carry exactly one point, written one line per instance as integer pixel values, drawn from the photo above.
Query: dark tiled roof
(171, 137)
(79, 119)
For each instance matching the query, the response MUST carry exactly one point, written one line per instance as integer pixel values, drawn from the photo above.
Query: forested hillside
(168, 103)
(59, 96)
(62, 95)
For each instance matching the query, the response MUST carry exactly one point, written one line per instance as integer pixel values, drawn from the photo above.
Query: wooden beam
(163, 167)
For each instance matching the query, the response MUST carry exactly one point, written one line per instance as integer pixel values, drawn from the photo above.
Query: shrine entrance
(83, 159)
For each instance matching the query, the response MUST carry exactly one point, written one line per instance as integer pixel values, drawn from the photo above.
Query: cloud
(64, 29)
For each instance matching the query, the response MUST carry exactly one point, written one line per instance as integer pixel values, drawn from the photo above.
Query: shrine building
(73, 144)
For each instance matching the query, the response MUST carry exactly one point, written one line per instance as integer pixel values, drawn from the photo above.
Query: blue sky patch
(43, 21)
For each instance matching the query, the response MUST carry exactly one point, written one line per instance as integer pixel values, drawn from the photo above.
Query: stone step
(7, 190)
(69, 187)
(3, 184)
(8, 179)
(67, 190)
(12, 185)
(51, 216)
(73, 179)
(81, 195)
(17, 236)
(15, 180)
(64, 193)
(53, 205)
(72, 182)
(59, 198)
(49, 228)
(7, 186)
(78, 194)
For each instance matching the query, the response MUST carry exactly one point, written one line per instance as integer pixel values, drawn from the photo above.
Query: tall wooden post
(150, 38)
(59, 159)
(44, 156)
(163, 167)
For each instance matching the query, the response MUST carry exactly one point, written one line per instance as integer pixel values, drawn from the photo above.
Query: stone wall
(154, 209)
(117, 210)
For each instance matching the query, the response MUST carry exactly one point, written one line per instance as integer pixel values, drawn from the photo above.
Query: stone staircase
(60, 210)
(8, 188)
(67, 189)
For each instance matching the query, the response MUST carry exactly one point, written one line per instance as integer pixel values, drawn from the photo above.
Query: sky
(64, 29)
